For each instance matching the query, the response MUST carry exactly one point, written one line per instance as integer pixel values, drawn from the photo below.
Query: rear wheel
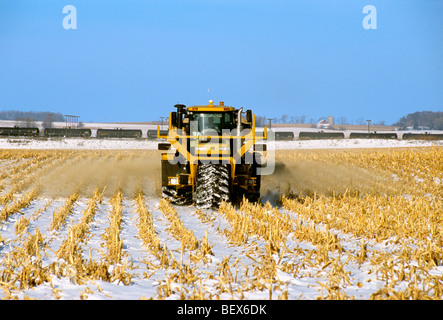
(251, 192)
(171, 194)
(213, 185)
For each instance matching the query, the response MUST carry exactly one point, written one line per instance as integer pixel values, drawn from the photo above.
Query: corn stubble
(376, 211)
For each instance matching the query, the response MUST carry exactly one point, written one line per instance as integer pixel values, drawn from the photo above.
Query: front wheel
(213, 185)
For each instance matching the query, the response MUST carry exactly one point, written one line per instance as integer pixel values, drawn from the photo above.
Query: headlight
(173, 180)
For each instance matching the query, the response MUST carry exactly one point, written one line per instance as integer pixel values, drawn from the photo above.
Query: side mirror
(173, 119)
(249, 116)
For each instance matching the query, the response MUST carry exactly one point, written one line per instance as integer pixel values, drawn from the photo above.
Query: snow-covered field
(232, 270)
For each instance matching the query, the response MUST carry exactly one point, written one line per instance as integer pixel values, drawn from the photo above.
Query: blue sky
(133, 60)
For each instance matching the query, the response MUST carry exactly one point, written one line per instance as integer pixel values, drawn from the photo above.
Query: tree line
(418, 120)
(428, 120)
(28, 118)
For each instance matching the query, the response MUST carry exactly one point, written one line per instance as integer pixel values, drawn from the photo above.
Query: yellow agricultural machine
(211, 155)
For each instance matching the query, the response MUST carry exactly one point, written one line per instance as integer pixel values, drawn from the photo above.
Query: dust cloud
(142, 172)
(108, 174)
(307, 177)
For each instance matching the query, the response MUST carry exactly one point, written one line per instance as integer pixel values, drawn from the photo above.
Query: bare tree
(260, 121)
(25, 123)
(284, 118)
(342, 120)
(47, 121)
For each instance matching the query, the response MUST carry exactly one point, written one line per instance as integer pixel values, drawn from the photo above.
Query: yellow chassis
(174, 138)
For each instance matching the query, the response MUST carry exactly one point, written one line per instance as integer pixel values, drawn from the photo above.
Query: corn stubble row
(22, 266)
(393, 235)
(407, 222)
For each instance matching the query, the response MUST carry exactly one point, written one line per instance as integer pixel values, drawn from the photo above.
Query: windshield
(201, 122)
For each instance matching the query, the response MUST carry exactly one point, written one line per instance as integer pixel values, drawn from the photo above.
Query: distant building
(323, 124)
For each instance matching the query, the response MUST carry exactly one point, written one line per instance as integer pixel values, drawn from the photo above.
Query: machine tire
(213, 185)
(171, 194)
